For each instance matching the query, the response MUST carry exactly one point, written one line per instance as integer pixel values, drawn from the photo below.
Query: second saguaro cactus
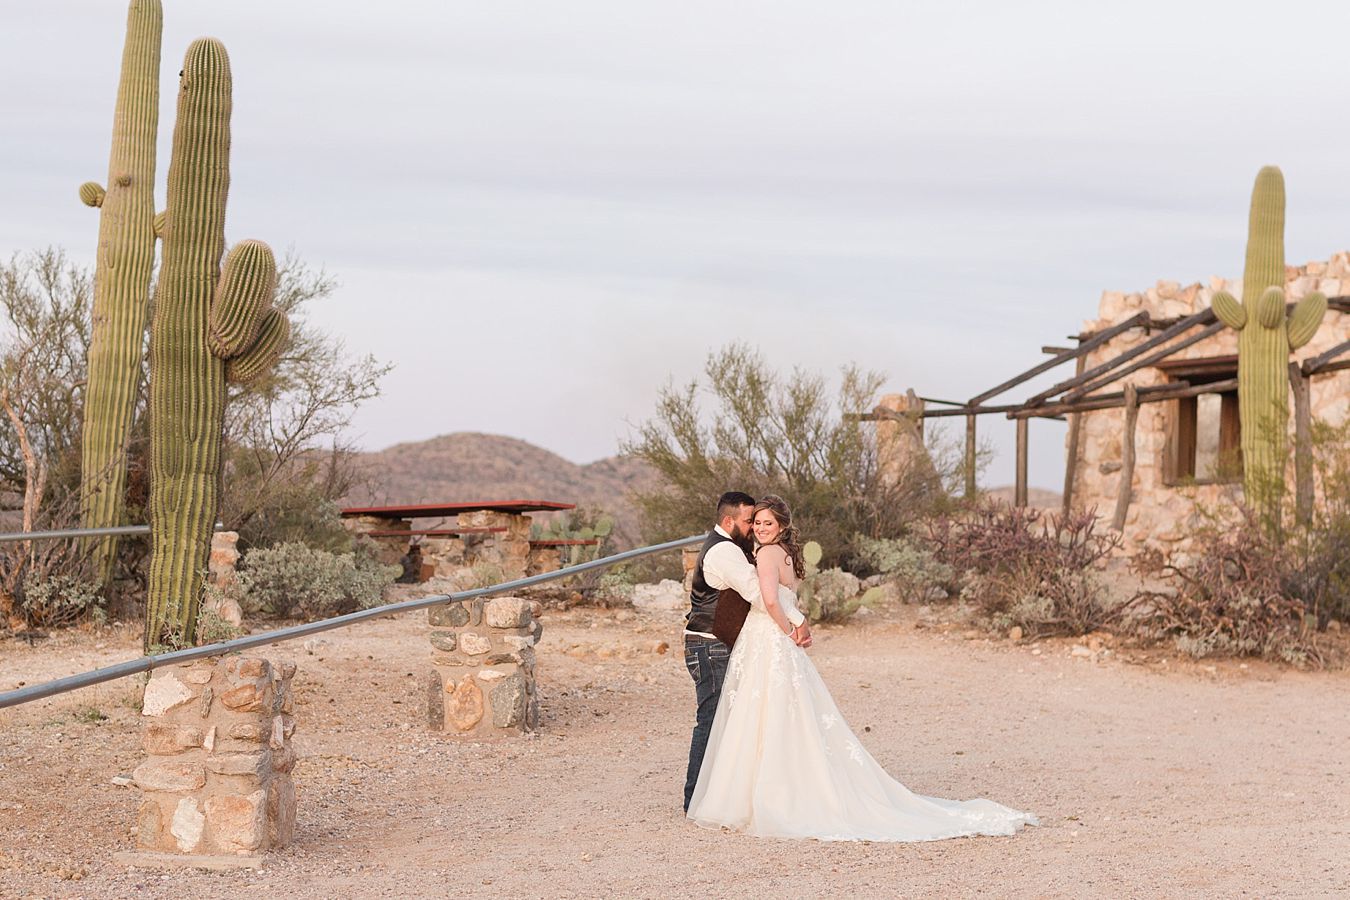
(1266, 335)
(211, 324)
(125, 260)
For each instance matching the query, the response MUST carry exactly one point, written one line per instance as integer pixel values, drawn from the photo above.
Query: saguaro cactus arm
(1229, 310)
(1270, 308)
(92, 194)
(273, 334)
(1306, 319)
(247, 284)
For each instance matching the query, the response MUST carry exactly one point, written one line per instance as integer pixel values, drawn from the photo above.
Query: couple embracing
(770, 753)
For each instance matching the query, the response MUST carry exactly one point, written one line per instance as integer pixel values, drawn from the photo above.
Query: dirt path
(1150, 781)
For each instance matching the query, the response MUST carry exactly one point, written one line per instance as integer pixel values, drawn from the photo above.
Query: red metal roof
(429, 510)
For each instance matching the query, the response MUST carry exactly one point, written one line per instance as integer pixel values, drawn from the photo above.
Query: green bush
(295, 580)
(60, 600)
(904, 562)
(751, 428)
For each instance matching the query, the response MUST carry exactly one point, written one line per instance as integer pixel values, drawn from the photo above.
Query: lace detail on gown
(782, 762)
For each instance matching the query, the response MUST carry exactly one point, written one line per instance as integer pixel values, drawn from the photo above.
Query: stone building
(1187, 454)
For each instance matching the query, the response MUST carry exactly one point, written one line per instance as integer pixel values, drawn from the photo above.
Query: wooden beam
(1338, 366)
(970, 457)
(1209, 331)
(1020, 486)
(1303, 461)
(1204, 317)
(1127, 457)
(1135, 321)
(1071, 461)
(1053, 350)
(967, 411)
(1153, 394)
(1319, 362)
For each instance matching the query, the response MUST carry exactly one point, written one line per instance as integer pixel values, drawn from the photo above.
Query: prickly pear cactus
(125, 260)
(811, 555)
(1266, 337)
(211, 324)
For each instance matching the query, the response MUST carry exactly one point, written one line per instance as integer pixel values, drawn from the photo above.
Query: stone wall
(1161, 514)
(217, 781)
(482, 682)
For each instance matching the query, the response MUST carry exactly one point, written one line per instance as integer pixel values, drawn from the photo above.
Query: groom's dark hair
(731, 501)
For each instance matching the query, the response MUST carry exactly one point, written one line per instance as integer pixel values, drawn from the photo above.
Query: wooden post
(1020, 488)
(1303, 474)
(1071, 463)
(1127, 457)
(970, 457)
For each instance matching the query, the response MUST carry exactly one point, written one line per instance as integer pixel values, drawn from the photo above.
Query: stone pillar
(544, 558)
(218, 782)
(388, 550)
(689, 558)
(900, 448)
(509, 549)
(222, 573)
(483, 680)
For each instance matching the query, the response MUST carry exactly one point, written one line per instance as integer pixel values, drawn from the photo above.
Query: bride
(781, 760)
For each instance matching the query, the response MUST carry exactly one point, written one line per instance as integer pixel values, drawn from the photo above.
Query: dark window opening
(1205, 431)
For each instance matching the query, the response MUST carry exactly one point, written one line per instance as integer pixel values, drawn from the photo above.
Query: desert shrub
(1018, 566)
(909, 564)
(1229, 596)
(1320, 546)
(615, 588)
(832, 595)
(211, 628)
(485, 574)
(786, 434)
(60, 600)
(295, 580)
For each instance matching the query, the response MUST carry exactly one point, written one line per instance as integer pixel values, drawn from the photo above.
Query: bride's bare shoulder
(771, 553)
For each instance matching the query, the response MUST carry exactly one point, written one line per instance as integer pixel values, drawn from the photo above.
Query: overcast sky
(541, 212)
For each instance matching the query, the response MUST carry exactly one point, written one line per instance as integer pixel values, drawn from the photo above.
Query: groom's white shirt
(725, 566)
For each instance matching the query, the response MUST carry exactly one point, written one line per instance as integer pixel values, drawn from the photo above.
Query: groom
(725, 563)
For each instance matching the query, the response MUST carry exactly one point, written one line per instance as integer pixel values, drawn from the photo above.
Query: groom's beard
(746, 542)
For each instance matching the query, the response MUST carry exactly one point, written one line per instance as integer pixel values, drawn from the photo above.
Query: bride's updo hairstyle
(788, 538)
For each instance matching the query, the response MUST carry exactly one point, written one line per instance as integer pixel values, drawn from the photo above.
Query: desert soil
(1153, 777)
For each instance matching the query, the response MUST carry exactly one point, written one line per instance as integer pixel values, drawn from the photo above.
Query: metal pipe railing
(11, 536)
(147, 663)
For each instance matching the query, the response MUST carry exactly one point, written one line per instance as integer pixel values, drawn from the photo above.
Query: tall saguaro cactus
(209, 325)
(126, 256)
(1266, 335)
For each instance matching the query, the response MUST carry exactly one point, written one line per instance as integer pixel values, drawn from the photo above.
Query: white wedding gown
(782, 762)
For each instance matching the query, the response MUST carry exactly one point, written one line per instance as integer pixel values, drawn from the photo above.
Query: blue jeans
(706, 661)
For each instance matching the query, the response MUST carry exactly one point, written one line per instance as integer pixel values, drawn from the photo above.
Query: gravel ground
(1153, 777)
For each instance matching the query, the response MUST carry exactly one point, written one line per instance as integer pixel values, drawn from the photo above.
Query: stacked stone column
(218, 780)
(483, 653)
(389, 550)
(509, 549)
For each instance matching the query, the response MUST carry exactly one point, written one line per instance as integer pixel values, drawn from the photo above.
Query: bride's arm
(766, 567)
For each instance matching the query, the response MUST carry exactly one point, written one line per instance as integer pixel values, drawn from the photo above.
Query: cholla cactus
(1266, 337)
(210, 325)
(125, 259)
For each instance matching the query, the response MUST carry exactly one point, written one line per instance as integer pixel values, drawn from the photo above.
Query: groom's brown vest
(703, 596)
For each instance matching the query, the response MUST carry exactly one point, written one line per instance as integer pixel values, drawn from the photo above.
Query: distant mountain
(469, 466)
